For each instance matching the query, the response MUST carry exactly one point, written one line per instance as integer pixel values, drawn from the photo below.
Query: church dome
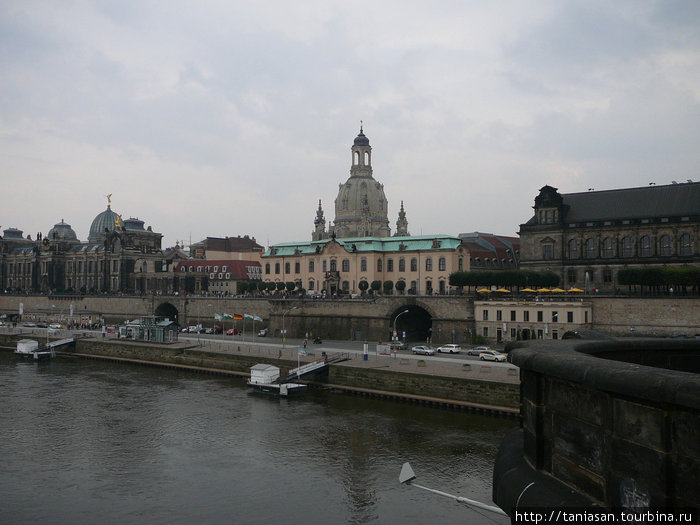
(104, 221)
(62, 232)
(361, 139)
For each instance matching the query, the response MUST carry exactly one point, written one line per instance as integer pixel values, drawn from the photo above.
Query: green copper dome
(104, 221)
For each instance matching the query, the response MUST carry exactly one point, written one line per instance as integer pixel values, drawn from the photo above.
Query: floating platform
(279, 389)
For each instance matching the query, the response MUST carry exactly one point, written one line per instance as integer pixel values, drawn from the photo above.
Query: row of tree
(505, 278)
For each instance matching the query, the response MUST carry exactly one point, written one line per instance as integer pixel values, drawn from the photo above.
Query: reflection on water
(87, 442)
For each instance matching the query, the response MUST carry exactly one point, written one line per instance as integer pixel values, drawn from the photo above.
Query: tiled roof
(233, 244)
(237, 268)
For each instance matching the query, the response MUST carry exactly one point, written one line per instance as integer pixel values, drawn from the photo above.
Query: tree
(363, 285)
(388, 286)
(400, 286)
(280, 286)
(243, 287)
(375, 286)
(290, 285)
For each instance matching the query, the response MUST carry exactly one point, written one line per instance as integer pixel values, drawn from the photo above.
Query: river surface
(84, 442)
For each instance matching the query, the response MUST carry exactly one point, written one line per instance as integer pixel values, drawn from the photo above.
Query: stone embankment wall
(489, 395)
(646, 317)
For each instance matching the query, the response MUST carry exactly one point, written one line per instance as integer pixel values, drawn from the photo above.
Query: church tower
(402, 224)
(361, 206)
(319, 225)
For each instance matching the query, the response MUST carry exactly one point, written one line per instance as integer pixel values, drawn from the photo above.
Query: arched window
(645, 246)
(311, 265)
(325, 265)
(590, 249)
(297, 267)
(665, 245)
(379, 265)
(334, 265)
(390, 265)
(442, 264)
(277, 268)
(287, 268)
(686, 245)
(402, 264)
(460, 264)
(573, 249)
(627, 247)
(356, 159)
(608, 247)
(429, 264)
(363, 264)
(346, 265)
(414, 265)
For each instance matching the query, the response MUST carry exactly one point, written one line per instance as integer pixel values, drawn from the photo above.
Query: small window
(429, 264)
(569, 317)
(547, 252)
(499, 315)
(402, 264)
(526, 316)
(442, 264)
(540, 316)
(485, 315)
(346, 265)
(390, 265)
(363, 265)
(512, 315)
(555, 316)
(414, 265)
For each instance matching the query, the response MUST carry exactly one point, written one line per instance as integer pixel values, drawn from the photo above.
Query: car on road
(232, 331)
(423, 350)
(29, 324)
(262, 333)
(449, 349)
(492, 355)
(398, 345)
(55, 326)
(477, 350)
(42, 325)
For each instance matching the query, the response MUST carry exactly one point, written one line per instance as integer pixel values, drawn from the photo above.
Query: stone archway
(167, 310)
(417, 323)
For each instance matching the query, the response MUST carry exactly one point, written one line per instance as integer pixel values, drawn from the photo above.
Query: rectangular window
(297, 267)
(607, 275)
(540, 334)
(555, 334)
(512, 315)
(499, 315)
(540, 316)
(569, 317)
(555, 317)
(486, 331)
(390, 265)
(512, 333)
(548, 252)
(585, 316)
(485, 315)
(526, 316)
(311, 266)
(363, 265)
(571, 275)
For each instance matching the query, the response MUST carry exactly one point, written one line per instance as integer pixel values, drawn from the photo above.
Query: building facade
(423, 264)
(500, 321)
(120, 256)
(587, 238)
(219, 277)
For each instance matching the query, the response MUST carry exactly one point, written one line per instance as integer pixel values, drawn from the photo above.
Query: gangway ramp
(53, 345)
(314, 366)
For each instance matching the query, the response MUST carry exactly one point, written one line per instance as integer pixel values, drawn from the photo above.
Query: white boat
(29, 349)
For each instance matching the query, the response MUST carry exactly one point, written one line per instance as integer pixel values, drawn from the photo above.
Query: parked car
(42, 325)
(492, 355)
(423, 350)
(262, 333)
(233, 331)
(476, 351)
(398, 345)
(55, 326)
(29, 324)
(449, 349)
(111, 329)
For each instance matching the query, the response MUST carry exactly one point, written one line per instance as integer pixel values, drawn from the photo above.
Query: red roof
(238, 269)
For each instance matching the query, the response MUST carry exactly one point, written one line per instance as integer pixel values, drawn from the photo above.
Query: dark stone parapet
(604, 425)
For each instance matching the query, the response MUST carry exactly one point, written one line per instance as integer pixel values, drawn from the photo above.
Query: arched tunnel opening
(413, 324)
(167, 310)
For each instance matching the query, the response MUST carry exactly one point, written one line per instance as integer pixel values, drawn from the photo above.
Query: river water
(85, 442)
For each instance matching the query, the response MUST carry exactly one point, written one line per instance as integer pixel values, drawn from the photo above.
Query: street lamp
(284, 332)
(396, 336)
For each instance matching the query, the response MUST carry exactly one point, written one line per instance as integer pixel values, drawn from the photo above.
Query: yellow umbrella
(575, 290)
(543, 290)
(483, 290)
(528, 290)
(558, 290)
(503, 290)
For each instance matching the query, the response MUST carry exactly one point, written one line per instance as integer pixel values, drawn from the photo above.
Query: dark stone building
(586, 238)
(119, 256)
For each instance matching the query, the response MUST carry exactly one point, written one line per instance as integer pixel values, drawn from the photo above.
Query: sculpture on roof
(109, 199)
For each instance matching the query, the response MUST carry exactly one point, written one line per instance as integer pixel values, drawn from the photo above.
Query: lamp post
(396, 337)
(284, 332)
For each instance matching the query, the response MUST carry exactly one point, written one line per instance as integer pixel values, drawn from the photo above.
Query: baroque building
(587, 238)
(119, 256)
(361, 208)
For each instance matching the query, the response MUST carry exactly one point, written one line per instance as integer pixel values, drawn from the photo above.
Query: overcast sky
(216, 118)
